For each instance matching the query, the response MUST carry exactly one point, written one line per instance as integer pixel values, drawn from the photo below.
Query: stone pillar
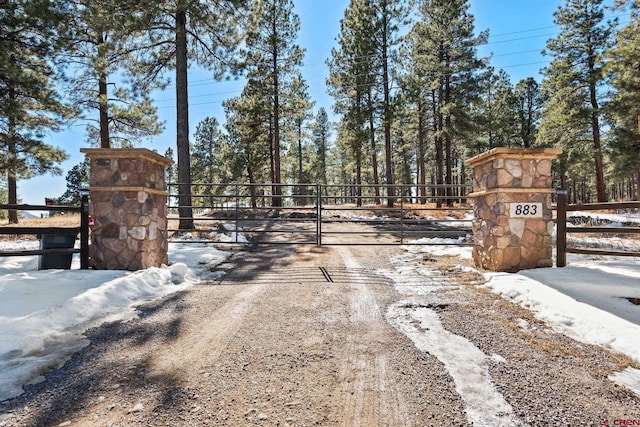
(128, 204)
(513, 222)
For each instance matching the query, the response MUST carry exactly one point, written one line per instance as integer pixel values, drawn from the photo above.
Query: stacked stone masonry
(129, 205)
(504, 178)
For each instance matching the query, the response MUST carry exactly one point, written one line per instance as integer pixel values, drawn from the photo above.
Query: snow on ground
(587, 300)
(465, 362)
(43, 314)
(615, 219)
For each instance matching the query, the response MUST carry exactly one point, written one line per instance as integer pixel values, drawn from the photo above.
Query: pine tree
(574, 80)
(415, 89)
(321, 134)
(361, 79)
(273, 56)
(528, 110)
(77, 179)
(445, 50)
(404, 149)
(210, 158)
(352, 83)
(249, 135)
(391, 15)
(105, 43)
(496, 114)
(30, 107)
(171, 172)
(298, 112)
(179, 34)
(625, 105)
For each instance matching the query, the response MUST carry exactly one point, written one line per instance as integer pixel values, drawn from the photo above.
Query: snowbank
(43, 314)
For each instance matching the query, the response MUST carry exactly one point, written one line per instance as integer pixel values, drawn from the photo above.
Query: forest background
(412, 89)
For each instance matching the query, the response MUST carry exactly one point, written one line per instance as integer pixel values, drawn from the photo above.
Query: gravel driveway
(293, 336)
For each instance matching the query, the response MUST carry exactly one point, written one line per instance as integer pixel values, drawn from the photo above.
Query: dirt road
(299, 337)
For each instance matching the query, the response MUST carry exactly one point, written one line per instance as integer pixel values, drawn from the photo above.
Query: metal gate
(318, 214)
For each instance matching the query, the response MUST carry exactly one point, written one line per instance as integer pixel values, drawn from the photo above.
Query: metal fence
(323, 214)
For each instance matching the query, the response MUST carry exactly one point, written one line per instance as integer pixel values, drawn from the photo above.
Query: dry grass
(66, 220)
(421, 210)
(450, 266)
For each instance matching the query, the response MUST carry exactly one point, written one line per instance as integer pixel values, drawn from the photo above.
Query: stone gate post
(513, 222)
(128, 203)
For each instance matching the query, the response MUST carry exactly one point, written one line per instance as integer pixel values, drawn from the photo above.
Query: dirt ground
(293, 336)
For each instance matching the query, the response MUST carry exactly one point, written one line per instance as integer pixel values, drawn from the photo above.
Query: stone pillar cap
(127, 153)
(514, 153)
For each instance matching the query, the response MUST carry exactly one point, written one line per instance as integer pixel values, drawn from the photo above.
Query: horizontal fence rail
(404, 222)
(562, 230)
(323, 214)
(82, 230)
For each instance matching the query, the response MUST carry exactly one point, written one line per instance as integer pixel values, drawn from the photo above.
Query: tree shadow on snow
(97, 370)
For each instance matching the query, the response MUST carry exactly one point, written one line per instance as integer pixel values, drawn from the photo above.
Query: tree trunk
(358, 193)
(252, 188)
(324, 159)
(277, 200)
(103, 100)
(437, 137)
(272, 171)
(421, 169)
(374, 149)
(12, 181)
(104, 111)
(463, 183)
(182, 124)
(301, 190)
(12, 158)
(387, 111)
(530, 109)
(601, 189)
(448, 144)
(272, 163)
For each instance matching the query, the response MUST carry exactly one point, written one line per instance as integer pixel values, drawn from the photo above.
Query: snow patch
(629, 378)
(564, 313)
(442, 247)
(467, 365)
(43, 314)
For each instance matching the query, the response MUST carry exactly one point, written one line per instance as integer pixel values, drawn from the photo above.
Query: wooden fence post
(84, 232)
(561, 228)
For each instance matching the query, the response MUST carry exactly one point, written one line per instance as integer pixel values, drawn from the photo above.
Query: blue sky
(518, 32)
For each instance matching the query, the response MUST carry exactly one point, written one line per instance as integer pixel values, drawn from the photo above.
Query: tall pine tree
(625, 104)
(249, 135)
(528, 109)
(361, 79)
(445, 52)
(30, 107)
(105, 43)
(273, 56)
(352, 83)
(210, 159)
(574, 82)
(179, 34)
